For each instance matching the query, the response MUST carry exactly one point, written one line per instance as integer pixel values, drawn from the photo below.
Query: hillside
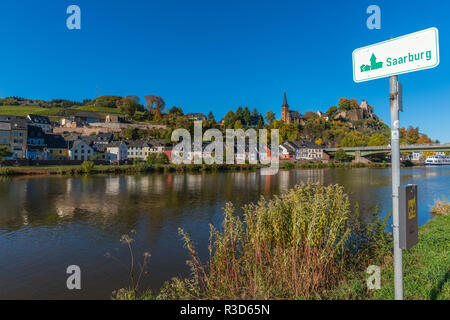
(349, 124)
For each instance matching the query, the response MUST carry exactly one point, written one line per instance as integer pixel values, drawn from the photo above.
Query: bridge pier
(359, 158)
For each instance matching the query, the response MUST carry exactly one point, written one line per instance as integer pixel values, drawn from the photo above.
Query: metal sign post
(395, 160)
(413, 52)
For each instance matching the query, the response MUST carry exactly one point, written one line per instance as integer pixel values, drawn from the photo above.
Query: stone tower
(285, 110)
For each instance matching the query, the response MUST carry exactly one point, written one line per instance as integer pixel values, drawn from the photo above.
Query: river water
(50, 223)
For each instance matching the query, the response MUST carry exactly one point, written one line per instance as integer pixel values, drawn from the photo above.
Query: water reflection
(49, 223)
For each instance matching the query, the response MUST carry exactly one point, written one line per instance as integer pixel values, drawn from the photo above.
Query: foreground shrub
(140, 167)
(6, 172)
(87, 166)
(298, 245)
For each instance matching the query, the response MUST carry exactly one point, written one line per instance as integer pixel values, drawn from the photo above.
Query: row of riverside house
(302, 150)
(31, 138)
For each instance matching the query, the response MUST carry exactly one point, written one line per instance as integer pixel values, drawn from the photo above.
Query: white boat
(437, 160)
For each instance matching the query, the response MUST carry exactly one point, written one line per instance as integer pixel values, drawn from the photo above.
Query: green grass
(426, 266)
(55, 112)
(22, 111)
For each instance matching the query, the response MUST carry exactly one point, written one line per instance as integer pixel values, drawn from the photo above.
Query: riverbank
(73, 170)
(426, 266)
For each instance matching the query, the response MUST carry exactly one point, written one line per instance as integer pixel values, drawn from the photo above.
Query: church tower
(285, 110)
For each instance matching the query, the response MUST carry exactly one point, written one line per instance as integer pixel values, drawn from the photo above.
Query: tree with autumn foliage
(424, 139)
(155, 105)
(348, 104)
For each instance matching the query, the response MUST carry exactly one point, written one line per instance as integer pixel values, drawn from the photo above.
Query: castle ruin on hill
(363, 112)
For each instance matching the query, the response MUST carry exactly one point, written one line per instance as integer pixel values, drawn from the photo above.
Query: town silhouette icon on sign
(374, 65)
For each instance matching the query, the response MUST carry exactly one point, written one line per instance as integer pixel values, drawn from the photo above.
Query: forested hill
(348, 124)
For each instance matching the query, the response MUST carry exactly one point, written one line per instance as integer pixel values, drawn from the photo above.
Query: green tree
(211, 118)
(378, 140)
(151, 158)
(133, 97)
(162, 158)
(4, 153)
(332, 112)
(240, 114)
(157, 159)
(107, 101)
(246, 116)
(229, 120)
(260, 122)
(340, 155)
(354, 139)
(127, 106)
(134, 133)
(310, 115)
(270, 117)
(87, 166)
(176, 111)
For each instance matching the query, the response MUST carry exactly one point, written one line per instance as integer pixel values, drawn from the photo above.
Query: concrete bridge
(361, 152)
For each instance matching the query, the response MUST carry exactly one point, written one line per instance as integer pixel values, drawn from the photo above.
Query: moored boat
(437, 160)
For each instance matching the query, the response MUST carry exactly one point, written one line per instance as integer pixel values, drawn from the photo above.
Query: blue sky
(217, 55)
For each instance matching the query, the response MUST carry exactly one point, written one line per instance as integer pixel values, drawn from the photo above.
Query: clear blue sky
(217, 55)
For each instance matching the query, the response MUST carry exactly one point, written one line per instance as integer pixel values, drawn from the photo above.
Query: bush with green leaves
(157, 158)
(340, 155)
(87, 166)
(4, 153)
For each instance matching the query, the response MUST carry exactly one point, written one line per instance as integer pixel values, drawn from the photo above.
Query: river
(49, 223)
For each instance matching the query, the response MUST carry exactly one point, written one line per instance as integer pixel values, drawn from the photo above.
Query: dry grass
(440, 207)
(299, 245)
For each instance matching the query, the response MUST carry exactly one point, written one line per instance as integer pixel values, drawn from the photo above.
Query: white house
(80, 150)
(301, 150)
(116, 151)
(416, 156)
